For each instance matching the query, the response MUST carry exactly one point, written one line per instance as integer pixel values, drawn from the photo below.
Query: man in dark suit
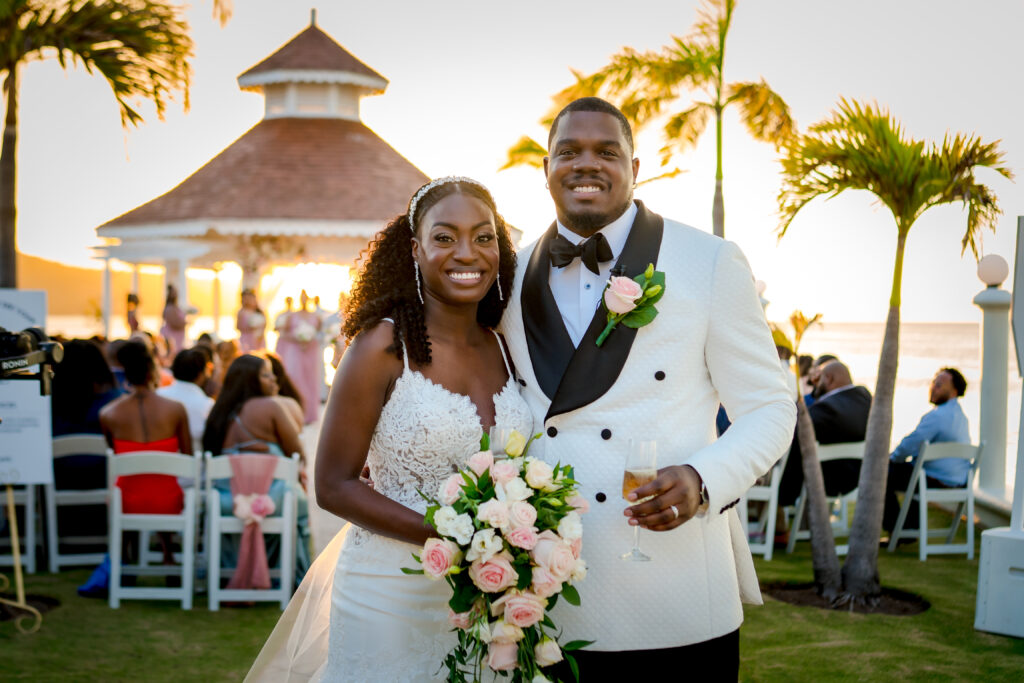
(839, 415)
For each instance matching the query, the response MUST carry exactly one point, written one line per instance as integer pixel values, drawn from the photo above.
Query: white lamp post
(995, 336)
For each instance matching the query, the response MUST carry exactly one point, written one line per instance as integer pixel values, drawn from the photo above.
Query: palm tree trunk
(860, 572)
(8, 209)
(824, 560)
(718, 207)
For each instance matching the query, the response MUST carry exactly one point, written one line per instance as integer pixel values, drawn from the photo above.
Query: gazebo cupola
(312, 76)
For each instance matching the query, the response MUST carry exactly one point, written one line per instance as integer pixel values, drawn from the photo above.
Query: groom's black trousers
(717, 659)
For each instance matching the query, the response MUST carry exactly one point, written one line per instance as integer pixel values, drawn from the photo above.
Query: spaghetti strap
(405, 353)
(504, 356)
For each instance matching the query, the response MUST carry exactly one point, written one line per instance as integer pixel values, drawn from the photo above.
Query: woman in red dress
(143, 421)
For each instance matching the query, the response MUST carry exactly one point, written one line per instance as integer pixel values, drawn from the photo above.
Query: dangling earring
(419, 286)
(547, 186)
(501, 296)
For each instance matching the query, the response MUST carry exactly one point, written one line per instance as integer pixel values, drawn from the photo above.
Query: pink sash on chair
(252, 476)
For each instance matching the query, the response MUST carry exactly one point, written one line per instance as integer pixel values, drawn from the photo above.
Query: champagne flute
(641, 468)
(499, 437)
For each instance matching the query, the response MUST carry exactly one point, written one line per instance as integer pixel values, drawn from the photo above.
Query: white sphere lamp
(993, 270)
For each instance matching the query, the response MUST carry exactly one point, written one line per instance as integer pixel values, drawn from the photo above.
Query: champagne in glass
(641, 468)
(499, 437)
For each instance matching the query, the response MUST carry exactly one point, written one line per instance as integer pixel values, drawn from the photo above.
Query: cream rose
(554, 554)
(547, 652)
(540, 475)
(495, 574)
(570, 527)
(515, 445)
(450, 489)
(579, 571)
(545, 584)
(494, 512)
(621, 295)
(502, 632)
(484, 546)
(502, 656)
(524, 537)
(480, 462)
(521, 514)
(439, 557)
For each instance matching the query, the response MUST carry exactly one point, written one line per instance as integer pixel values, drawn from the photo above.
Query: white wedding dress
(386, 625)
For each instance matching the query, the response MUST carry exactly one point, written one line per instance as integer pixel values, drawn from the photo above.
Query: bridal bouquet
(509, 545)
(304, 332)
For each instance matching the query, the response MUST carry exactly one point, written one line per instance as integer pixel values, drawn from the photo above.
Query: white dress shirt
(197, 407)
(577, 290)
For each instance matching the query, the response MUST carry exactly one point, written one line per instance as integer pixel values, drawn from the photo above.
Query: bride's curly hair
(386, 284)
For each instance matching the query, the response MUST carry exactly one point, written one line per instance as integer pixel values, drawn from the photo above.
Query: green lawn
(84, 640)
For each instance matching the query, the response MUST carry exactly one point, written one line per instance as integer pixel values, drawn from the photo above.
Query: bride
(424, 377)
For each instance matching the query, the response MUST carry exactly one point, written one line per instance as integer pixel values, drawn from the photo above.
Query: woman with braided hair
(424, 377)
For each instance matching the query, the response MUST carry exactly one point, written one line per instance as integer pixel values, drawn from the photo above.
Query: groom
(664, 381)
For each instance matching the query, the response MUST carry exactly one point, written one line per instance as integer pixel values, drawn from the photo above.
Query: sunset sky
(468, 78)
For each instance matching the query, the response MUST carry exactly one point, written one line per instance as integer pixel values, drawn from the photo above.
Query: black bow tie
(592, 251)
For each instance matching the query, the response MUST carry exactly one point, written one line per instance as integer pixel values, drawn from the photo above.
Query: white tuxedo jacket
(709, 344)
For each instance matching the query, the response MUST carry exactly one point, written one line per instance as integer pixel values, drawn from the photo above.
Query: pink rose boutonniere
(630, 301)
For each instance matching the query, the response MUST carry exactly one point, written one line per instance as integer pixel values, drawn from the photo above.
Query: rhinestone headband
(438, 183)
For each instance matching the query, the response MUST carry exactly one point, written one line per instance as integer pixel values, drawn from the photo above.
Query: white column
(216, 300)
(995, 335)
(107, 296)
(135, 278)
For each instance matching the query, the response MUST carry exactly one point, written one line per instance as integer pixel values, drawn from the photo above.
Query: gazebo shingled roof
(312, 49)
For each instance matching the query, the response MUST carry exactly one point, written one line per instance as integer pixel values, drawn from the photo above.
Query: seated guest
(813, 375)
(839, 415)
(248, 418)
(212, 385)
(946, 422)
(144, 421)
(191, 370)
(804, 363)
(286, 393)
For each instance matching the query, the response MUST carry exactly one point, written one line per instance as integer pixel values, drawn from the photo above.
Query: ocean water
(924, 348)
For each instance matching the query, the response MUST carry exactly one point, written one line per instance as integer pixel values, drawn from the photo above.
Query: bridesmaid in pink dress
(300, 353)
(251, 324)
(173, 329)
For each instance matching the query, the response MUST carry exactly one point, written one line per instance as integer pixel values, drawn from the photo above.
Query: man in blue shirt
(944, 423)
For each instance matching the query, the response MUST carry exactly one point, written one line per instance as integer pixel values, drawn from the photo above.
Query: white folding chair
(54, 498)
(839, 505)
(764, 527)
(218, 524)
(25, 498)
(919, 490)
(184, 523)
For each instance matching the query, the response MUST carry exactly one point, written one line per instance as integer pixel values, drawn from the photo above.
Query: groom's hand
(679, 486)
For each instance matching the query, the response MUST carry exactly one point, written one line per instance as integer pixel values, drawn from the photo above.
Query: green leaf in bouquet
(574, 666)
(428, 518)
(485, 485)
(572, 596)
(552, 601)
(525, 573)
(462, 599)
(573, 645)
(469, 482)
(640, 316)
(485, 442)
(547, 622)
(406, 570)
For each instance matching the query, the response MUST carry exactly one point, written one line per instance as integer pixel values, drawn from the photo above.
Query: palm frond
(862, 147)
(662, 176)
(713, 20)
(222, 11)
(584, 86)
(765, 114)
(526, 152)
(683, 129)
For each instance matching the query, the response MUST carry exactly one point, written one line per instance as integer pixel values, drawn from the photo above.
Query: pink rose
(502, 632)
(503, 656)
(460, 619)
(451, 489)
(545, 584)
(494, 575)
(524, 537)
(547, 652)
(521, 514)
(554, 554)
(493, 512)
(480, 462)
(621, 294)
(502, 472)
(439, 556)
(580, 503)
(523, 608)
(576, 546)
(262, 506)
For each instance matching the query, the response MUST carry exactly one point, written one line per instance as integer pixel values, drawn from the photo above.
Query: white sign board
(25, 438)
(1017, 308)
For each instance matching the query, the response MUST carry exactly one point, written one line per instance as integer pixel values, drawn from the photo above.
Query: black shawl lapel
(546, 337)
(592, 370)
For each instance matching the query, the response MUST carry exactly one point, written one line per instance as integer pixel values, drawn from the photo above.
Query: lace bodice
(426, 432)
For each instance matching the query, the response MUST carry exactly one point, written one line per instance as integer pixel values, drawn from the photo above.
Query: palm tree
(141, 47)
(861, 147)
(647, 84)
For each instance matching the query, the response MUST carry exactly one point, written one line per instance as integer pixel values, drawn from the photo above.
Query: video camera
(20, 351)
